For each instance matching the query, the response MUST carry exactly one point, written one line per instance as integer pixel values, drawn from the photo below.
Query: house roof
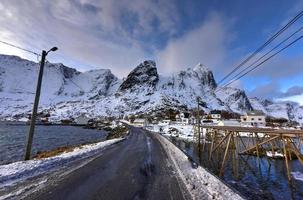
(139, 120)
(215, 112)
(255, 113)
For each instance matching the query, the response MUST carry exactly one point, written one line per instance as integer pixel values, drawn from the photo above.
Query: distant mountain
(67, 92)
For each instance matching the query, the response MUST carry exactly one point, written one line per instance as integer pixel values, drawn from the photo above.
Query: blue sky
(118, 35)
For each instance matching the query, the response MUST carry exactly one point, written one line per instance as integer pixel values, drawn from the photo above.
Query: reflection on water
(254, 178)
(13, 139)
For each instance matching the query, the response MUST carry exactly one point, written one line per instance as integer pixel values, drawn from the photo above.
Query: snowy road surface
(137, 168)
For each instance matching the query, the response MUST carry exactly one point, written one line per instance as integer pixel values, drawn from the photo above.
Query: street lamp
(36, 103)
(52, 49)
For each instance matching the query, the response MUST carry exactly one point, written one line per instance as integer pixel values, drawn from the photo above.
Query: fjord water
(13, 139)
(263, 179)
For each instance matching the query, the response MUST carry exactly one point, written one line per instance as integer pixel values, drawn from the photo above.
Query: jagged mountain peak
(67, 92)
(200, 68)
(144, 74)
(201, 73)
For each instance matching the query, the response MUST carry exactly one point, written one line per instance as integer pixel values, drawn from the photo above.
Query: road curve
(137, 168)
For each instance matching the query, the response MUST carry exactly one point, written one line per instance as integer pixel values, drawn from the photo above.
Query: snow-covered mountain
(67, 92)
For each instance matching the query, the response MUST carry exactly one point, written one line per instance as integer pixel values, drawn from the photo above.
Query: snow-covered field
(182, 131)
(22, 170)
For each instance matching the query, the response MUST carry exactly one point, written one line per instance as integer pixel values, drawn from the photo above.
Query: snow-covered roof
(139, 120)
(215, 112)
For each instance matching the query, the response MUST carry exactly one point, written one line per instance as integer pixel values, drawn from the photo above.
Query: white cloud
(297, 98)
(205, 44)
(88, 32)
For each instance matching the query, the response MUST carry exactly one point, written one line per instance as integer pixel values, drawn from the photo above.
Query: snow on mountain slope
(185, 86)
(18, 79)
(67, 92)
(235, 99)
(286, 110)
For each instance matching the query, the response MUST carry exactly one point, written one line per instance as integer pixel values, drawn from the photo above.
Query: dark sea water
(254, 178)
(13, 139)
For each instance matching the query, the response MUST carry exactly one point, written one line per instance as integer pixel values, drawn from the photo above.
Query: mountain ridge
(67, 92)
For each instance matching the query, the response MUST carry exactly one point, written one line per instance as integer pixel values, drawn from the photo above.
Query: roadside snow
(22, 170)
(200, 183)
(183, 131)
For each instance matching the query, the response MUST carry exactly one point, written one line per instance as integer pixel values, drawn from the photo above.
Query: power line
(278, 45)
(255, 67)
(292, 21)
(17, 47)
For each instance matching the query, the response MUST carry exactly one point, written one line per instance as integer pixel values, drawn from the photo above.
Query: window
(252, 119)
(244, 119)
(260, 119)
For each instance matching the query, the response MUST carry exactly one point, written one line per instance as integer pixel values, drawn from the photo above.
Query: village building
(253, 118)
(140, 122)
(231, 122)
(192, 120)
(183, 119)
(165, 122)
(81, 120)
(215, 114)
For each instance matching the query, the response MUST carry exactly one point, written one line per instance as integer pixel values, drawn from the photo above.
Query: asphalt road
(137, 168)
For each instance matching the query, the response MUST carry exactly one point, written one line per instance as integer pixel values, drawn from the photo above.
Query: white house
(165, 122)
(183, 118)
(140, 122)
(253, 118)
(215, 114)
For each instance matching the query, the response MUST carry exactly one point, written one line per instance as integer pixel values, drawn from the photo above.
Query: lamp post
(36, 103)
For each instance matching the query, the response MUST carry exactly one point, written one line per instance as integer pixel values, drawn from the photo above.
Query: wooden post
(266, 141)
(257, 146)
(222, 140)
(225, 154)
(199, 134)
(244, 145)
(212, 144)
(286, 159)
(234, 162)
(272, 148)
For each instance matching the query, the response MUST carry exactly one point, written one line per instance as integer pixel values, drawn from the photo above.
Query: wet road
(137, 168)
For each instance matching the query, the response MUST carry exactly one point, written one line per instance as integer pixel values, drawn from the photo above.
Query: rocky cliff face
(144, 75)
(67, 92)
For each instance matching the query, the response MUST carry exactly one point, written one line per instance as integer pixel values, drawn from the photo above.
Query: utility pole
(198, 118)
(36, 103)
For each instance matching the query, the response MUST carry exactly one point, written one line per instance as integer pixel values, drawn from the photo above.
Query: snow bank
(274, 154)
(22, 170)
(297, 175)
(200, 183)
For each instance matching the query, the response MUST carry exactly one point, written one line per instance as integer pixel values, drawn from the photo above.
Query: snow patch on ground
(185, 132)
(22, 170)
(297, 175)
(200, 183)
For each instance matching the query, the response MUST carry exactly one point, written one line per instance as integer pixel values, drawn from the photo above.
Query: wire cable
(292, 21)
(255, 67)
(17, 47)
(278, 45)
